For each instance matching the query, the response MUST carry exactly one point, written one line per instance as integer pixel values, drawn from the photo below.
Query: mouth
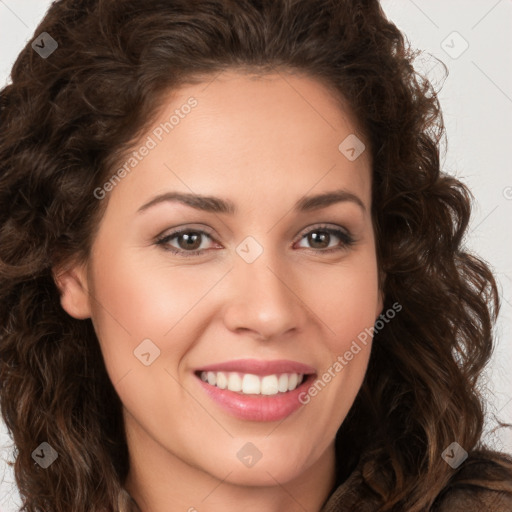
(250, 384)
(256, 390)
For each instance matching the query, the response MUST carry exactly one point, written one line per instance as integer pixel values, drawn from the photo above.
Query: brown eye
(188, 242)
(320, 237)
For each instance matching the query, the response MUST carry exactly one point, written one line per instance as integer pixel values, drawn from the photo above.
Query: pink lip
(258, 407)
(259, 367)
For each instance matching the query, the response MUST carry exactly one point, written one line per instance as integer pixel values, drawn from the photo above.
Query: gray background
(476, 99)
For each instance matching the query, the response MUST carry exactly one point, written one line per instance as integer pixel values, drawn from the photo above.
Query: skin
(262, 143)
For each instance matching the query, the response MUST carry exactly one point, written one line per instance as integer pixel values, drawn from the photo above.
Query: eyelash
(347, 240)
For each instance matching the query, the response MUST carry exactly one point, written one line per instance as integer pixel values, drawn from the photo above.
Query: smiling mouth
(251, 384)
(256, 390)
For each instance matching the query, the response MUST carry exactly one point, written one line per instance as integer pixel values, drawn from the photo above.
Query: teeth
(282, 384)
(292, 381)
(249, 384)
(222, 380)
(234, 382)
(269, 385)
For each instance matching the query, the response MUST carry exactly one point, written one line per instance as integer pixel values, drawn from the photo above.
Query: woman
(231, 267)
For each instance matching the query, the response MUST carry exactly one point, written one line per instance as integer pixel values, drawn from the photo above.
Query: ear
(72, 285)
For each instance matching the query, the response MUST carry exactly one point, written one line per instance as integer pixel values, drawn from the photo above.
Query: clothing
(464, 493)
(483, 483)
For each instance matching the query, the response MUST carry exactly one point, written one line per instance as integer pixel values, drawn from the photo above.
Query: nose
(266, 298)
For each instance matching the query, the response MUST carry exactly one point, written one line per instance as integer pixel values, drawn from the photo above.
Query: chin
(278, 466)
(263, 475)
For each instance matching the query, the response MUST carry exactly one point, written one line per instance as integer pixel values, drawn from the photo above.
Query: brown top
(483, 483)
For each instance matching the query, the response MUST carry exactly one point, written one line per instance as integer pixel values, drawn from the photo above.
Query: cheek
(134, 300)
(345, 297)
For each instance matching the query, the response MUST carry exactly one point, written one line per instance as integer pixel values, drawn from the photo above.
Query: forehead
(241, 135)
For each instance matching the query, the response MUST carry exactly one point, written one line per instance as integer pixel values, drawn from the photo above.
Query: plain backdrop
(474, 40)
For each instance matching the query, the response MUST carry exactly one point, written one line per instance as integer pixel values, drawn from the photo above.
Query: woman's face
(260, 290)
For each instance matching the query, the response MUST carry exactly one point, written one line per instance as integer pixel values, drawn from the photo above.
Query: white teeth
(250, 384)
(269, 385)
(283, 383)
(234, 382)
(222, 380)
(292, 381)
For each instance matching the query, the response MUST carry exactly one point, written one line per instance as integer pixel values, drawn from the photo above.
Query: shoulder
(482, 483)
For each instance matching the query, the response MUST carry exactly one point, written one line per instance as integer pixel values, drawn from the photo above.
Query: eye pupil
(316, 236)
(190, 239)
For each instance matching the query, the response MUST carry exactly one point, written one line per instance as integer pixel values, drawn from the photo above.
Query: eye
(320, 237)
(189, 241)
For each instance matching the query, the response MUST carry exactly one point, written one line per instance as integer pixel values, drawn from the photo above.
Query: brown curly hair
(67, 119)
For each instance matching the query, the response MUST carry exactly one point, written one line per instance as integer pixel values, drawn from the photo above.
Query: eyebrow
(218, 205)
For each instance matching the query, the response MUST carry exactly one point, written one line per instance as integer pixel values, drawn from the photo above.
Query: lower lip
(257, 407)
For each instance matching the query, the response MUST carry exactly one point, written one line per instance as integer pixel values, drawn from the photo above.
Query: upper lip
(259, 367)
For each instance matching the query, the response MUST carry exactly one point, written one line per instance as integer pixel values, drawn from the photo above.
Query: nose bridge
(265, 300)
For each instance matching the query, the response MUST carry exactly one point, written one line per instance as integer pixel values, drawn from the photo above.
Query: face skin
(263, 144)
